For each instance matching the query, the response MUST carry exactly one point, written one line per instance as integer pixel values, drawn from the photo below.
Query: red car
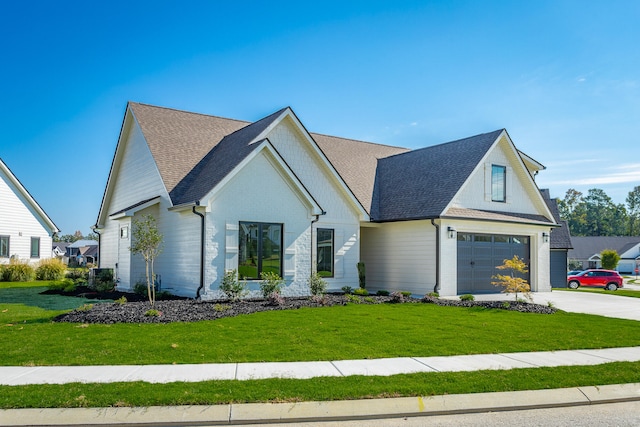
(609, 279)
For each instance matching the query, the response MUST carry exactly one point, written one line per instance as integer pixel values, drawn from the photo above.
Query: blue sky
(563, 77)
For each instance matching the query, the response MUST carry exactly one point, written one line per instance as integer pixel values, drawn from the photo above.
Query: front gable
(520, 193)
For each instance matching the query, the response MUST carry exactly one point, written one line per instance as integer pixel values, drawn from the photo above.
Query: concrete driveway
(608, 305)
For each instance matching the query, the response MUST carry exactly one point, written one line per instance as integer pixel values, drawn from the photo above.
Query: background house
(586, 251)
(560, 244)
(82, 252)
(26, 232)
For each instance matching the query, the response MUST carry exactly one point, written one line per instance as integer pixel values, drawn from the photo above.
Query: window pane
(35, 247)
(498, 187)
(271, 248)
(500, 239)
(482, 238)
(260, 249)
(4, 246)
(248, 251)
(324, 266)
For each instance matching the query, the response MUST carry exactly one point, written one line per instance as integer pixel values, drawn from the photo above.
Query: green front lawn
(620, 292)
(28, 337)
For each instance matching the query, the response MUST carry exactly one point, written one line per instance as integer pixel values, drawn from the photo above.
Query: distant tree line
(70, 238)
(596, 215)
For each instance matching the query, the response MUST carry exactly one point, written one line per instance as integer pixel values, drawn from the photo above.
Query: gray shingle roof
(586, 246)
(421, 183)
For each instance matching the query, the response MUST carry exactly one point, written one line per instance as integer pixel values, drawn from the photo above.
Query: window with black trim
(498, 183)
(35, 247)
(260, 249)
(324, 246)
(4, 246)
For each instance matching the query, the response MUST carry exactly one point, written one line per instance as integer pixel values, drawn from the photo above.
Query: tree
(633, 210)
(609, 259)
(600, 213)
(513, 282)
(147, 241)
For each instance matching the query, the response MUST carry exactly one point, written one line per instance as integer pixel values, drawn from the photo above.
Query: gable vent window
(260, 249)
(498, 183)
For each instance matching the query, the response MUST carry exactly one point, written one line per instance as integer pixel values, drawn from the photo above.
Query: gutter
(436, 288)
(202, 240)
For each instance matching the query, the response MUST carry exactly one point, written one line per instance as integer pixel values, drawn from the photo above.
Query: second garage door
(480, 254)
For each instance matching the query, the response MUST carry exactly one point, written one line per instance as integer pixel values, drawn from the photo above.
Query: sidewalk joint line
(337, 369)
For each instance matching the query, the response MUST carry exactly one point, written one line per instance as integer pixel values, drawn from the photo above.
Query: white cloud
(621, 174)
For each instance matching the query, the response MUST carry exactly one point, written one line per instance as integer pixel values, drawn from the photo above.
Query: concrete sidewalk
(18, 375)
(266, 413)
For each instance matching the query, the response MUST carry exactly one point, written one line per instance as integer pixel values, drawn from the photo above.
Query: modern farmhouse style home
(271, 196)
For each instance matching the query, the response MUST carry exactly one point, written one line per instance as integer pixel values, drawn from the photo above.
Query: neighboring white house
(26, 232)
(270, 196)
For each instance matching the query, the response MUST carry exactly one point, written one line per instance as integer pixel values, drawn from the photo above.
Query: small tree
(147, 241)
(609, 259)
(361, 275)
(232, 287)
(512, 283)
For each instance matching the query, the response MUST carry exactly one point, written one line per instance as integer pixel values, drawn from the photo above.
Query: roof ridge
(358, 140)
(191, 112)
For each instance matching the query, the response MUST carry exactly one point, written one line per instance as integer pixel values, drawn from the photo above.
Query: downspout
(95, 230)
(436, 288)
(313, 221)
(202, 236)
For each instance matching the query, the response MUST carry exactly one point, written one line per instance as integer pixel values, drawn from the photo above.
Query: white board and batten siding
(20, 221)
(138, 179)
(400, 256)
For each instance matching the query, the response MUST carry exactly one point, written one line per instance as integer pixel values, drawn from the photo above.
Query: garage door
(480, 254)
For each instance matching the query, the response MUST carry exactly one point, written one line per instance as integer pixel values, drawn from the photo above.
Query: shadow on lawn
(32, 296)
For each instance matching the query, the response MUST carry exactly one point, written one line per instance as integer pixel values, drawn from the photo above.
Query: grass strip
(318, 389)
(618, 293)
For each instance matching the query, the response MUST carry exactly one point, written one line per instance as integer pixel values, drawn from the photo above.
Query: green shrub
(347, 289)
(361, 291)
(433, 295)
(50, 269)
(609, 259)
(317, 285)
(18, 271)
(152, 312)
(64, 285)
(370, 300)
(382, 293)
(121, 301)
(352, 299)
(85, 307)
(406, 294)
(467, 297)
(103, 280)
(140, 288)
(271, 282)
(361, 275)
(80, 276)
(221, 307)
(232, 288)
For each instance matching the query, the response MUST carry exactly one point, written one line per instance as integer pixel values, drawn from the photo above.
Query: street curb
(263, 413)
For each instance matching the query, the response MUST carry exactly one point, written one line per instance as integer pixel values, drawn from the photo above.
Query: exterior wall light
(545, 237)
(452, 232)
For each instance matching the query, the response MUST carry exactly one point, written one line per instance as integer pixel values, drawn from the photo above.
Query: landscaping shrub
(347, 289)
(405, 294)
(361, 275)
(18, 271)
(317, 285)
(50, 269)
(140, 288)
(467, 297)
(361, 291)
(64, 285)
(609, 259)
(80, 276)
(271, 282)
(382, 293)
(353, 299)
(433, 295)
(231, 287)
(103, 280)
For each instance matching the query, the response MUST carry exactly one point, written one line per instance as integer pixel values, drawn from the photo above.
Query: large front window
(498, 183)
(325, 252)
(260, 249)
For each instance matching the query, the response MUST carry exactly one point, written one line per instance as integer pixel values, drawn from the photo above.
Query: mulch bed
(178, 309)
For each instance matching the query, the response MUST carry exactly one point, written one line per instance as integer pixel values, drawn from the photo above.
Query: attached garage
(480, 254)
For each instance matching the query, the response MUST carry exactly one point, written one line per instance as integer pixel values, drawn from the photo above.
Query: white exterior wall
(340, 213)
(476, 193)
(136, 179)
(20, 222)
(260, 193)
(400, 256)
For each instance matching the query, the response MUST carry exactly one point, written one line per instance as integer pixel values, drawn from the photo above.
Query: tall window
(4, 246)
(324, 267)
(35, 247)
(498, 183)
(260, 248)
